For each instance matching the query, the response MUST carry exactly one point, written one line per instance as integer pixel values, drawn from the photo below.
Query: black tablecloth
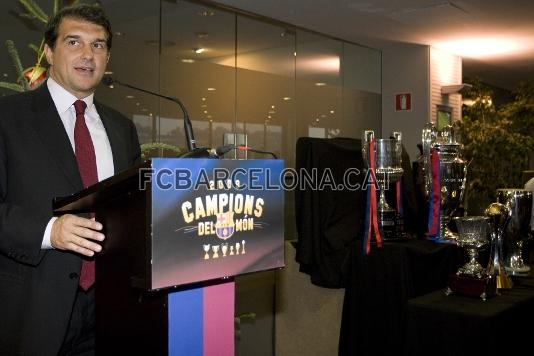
(330, 221)
(374, 310)
(457, 325)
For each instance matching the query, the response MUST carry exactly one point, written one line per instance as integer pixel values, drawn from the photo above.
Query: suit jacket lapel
(116, 140)
(52, 133)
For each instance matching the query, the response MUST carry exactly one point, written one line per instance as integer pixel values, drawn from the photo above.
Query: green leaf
(11, 86)
(35, 10)
(35, 48)
(56, 6)
(15, 60)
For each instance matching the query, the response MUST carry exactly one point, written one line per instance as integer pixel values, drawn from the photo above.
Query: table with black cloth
(458, 325)
(330, 221)
(380, 285)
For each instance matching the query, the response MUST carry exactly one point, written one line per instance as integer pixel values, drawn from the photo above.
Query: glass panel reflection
(198, 66)
(319, 86)
(265, 87)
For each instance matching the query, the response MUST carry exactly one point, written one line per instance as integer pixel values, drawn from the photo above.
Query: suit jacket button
(73, 275)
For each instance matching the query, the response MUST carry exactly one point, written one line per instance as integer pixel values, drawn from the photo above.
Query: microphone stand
(193, 151)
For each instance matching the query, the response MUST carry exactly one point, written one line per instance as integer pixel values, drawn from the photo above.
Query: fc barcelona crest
(224, 227)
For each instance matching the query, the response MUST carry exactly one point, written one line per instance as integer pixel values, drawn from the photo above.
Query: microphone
(220, 151)
(194, 152)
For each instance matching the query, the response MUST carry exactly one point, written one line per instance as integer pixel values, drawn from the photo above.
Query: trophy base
(518, 271)
(391, 224)
(472, 287)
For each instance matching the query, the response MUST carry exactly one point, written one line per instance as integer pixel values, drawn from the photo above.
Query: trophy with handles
(444, 178)
(519, 201)
(387, 157)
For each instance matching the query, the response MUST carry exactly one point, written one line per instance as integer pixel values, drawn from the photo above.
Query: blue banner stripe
(186, 322)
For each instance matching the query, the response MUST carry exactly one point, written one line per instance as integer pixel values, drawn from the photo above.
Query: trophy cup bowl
(473, 236)
(388, 170)
(388, 158)
(519, 201)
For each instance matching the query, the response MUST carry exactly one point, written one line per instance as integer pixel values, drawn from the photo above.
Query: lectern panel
(215, 218)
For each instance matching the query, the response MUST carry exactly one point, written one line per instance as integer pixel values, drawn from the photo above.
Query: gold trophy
(499, 215)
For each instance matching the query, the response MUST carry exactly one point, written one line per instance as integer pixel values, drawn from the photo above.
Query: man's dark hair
(90, 13)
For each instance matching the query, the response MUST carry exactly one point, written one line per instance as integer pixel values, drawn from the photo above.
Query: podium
(177, 232)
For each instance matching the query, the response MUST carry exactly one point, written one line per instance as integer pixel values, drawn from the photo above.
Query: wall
(406, 69)
(445, 69)
(421, 71)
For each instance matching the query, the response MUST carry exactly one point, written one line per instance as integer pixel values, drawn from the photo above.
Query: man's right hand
(74, 233)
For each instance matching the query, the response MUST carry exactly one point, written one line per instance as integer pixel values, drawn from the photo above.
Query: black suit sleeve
(20, 228)
(134, 156)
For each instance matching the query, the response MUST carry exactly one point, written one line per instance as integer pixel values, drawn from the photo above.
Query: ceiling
(494, 37)
(506, 28)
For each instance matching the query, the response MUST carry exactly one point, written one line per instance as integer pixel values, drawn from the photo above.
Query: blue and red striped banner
(371, 213)
(435, 197)
(201, 321)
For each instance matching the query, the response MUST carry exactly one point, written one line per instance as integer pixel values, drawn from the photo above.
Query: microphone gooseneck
(193, 150)
(188, 127)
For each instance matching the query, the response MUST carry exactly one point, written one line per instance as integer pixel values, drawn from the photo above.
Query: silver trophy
(519, 201)
(452, 173)
(473, 233)
(388, 170)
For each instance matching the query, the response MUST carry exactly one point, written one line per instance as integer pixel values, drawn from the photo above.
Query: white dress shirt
(64, 102)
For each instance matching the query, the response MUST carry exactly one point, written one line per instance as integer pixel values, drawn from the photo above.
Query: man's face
(79, 58)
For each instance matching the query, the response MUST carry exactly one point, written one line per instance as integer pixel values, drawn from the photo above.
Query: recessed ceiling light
(188, 60)
(272, 112)
(320, 84)
(211, 89)
(205, 111)
(119, 34)
(206, 13)
(482, 48)
(203, 99)
(286, 98)
(331, 111)
(272, 106)
(129, 96)
(137, 104)
(108, 72)
(198, 50)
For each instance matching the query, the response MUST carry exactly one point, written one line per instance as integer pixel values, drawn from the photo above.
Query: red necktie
(85, 156)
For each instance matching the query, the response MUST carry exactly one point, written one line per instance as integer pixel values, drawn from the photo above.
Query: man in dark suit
(51, 140)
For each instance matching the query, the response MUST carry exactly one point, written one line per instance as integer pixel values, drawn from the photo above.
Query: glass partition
(243, 79)
(134, 60)
(198, 66)
(265, 87)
